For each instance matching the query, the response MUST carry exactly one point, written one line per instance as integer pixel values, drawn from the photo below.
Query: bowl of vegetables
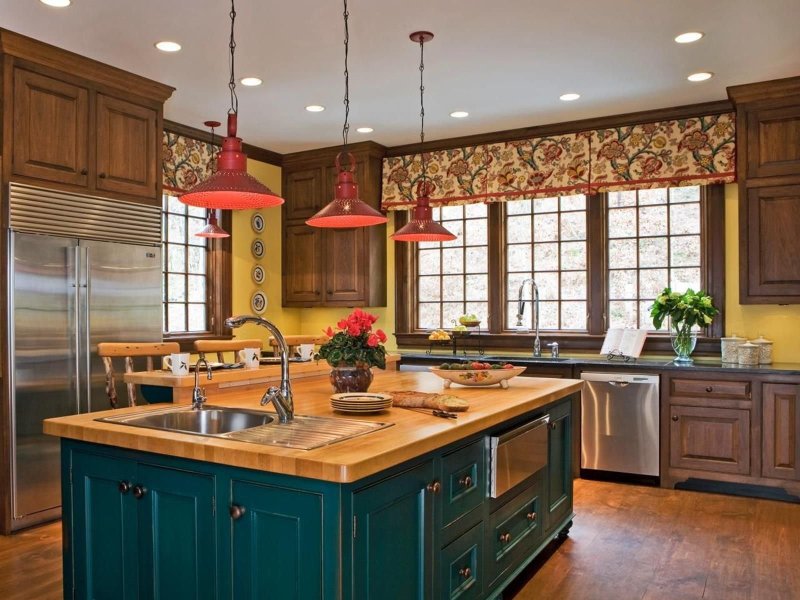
(476, 373)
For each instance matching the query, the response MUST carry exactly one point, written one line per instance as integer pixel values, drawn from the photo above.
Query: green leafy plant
(355, 344)
(684, 310)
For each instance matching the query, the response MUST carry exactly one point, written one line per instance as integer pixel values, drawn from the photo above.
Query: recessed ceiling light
(251, 81)
(459, 114)
(688, 37)
(57, 3)
(569, 97)
(167, 46)
(702, 76)
(365, 130)
(315, 108)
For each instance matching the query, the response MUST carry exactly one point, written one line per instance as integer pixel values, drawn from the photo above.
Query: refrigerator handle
(76, 309)
(86, 291)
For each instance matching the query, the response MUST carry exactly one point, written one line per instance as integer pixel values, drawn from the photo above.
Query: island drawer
(463, 481)
(709, 388)
(461, 567)
(514, 529)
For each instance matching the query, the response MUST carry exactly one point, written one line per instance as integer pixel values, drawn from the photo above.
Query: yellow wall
(291, 321)
(781, 324)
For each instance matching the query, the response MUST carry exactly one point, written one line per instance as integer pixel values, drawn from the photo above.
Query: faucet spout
(281, 397)
(198, 395)
(537, 343)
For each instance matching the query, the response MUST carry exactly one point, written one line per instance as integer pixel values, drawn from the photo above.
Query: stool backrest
(219, 347)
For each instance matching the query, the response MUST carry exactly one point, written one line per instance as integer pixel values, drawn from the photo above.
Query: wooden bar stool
(293, 341)
(108, 350)
(222, 346)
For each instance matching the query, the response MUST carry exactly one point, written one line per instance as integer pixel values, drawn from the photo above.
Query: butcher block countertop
(413, 433)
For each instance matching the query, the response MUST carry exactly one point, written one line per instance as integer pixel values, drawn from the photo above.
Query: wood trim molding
(764, 90)
(713, 268)
(20, 46)
(328, 154)
(254, 152)
(634, 118)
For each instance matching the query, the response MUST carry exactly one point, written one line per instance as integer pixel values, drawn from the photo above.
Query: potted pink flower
(353, 350)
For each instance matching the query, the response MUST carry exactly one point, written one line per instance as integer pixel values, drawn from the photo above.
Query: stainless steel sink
(258, 427)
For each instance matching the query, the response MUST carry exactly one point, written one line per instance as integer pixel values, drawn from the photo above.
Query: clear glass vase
(683, 342)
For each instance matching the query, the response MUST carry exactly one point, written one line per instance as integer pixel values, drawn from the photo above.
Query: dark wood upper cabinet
(768, 170)
(51, 121)
(128, 137)
(79, 125)
(347, 266)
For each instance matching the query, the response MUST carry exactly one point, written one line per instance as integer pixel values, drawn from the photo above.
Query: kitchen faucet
(537, 343)
(198, 394)
(281, 397)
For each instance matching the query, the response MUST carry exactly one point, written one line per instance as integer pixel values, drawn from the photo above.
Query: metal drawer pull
(465, 572)
(237, 512)
(619, 383)
(674, 417)
(124, 487)
(505, 537)
(531, 516)
(434, 487)
(709, 389)
(139, 491)
(465, 481)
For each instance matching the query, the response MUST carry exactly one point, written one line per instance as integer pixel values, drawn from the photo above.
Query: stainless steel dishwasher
(619, 423)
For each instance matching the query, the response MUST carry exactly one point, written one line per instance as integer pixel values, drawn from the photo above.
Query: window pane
(652, 281)
(453, 288)
(547, 283)
(176, 288)
(452, 213)
(548, 312)
(197, 288)
(197, 260)
(620, 199)
(176, 257)
(176, 229)
(622, 314)
(573, 226)
(653, 252)
(518, 229)
(197, 317)
(175, 206)
(477, 260)
(450, 313)
(475, 211)
(545, 257)
(518, 207)
(195, 227)
(622, 254)
(477, 288)
(429, 289)
(573, 315)
(622, 223)
(518, 258)
(475, 233)
(653, 220)
(622, 284)
(176, 317)
(685, 251)
(573, 285)
(689, 193)
(453, 260)
(197, 211)
(429, 262)
(546, 227)
(573, 255)
(577, 202)
(457, 229)
(542, 205)
(429, 316)
(654, 196)
(684, 218)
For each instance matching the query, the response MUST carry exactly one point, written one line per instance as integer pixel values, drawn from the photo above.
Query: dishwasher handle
(619, 383)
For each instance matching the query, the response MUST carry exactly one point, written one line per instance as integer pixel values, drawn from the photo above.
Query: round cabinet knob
(435, 487)
(531, 516)
(465, 481)
(101, 175)
(709, 389)
(139, 491)
(465, 572)
(552, 425)
(237, 512)
(84, 171)
(124, 487)
(674, 417)
(505, 537)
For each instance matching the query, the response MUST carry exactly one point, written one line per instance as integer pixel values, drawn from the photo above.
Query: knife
(444, 414)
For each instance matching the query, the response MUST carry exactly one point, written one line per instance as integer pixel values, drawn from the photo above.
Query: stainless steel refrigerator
(66, 294)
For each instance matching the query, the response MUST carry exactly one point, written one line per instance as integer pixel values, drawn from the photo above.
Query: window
(598, 261)
(452, 278)
(196, 300)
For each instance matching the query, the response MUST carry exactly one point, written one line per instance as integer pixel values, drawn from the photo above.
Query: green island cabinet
(142, 525)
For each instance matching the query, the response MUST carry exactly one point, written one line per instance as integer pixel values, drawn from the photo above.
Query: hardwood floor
(628, 542)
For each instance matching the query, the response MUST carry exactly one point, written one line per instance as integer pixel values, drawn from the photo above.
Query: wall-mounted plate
(258, 274)
(257, 248)
(257, 222)
(258, 302)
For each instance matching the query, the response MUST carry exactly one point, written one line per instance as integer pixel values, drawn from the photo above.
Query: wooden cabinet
(331, 267)
(768, 171)
(148, 531)
(559, 466)
(781, 431)
(710, 439)
(79, 125)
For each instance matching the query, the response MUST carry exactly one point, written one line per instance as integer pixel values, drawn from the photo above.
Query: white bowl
(477, 377)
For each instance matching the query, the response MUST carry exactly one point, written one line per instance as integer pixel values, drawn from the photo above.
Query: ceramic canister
(764, 349)
(730, 348)
(748, 353)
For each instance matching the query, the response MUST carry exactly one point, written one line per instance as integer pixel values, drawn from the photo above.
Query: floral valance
(691, 151)
(186, 161)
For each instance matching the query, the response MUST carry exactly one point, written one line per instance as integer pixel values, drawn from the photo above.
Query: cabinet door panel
(104, 528)
(772, 148)
(51, 129)
(559, 459)
(302, 268)
(781, 451)
(177, 540)
(390, 560)
(303, 191)
(710, 439)
(127, 152)
(345, 276)
(274, 518)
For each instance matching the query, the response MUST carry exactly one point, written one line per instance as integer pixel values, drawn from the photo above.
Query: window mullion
(597, 263)
(497, 278)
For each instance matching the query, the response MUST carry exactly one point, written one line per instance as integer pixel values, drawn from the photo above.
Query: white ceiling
(504, 61)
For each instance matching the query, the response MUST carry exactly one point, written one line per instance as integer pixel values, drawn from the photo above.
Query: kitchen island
(402, 512)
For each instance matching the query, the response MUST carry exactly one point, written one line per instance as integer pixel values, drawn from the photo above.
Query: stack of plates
(360, 402)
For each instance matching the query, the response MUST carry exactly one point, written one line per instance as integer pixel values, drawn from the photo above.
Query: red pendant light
(212, 230)
(231, 187)
(346, 209)
(422, 227)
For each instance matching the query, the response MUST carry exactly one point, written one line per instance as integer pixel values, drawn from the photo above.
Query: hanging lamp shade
(346, 209)
(212, 230)
(231, 187)
(422, 227)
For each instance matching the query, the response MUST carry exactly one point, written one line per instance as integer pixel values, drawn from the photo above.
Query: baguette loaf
(429, 400)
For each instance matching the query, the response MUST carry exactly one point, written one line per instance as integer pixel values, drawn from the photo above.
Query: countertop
(598, 364)
(413, 434)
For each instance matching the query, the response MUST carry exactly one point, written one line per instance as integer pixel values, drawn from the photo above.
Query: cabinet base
(737, 489)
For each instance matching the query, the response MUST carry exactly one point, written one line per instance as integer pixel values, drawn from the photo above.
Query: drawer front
(464, 481)
(462, 566)
(514, 530)
(708, 388)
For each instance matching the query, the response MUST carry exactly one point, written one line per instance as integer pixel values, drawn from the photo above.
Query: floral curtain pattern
(692, 151)
(186, 161)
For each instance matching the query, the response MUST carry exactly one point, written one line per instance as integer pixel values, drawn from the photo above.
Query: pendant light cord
(346, 128)
(234, 109)
(422, 115)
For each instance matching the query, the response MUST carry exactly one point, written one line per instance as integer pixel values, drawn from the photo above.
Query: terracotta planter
(350, 379)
